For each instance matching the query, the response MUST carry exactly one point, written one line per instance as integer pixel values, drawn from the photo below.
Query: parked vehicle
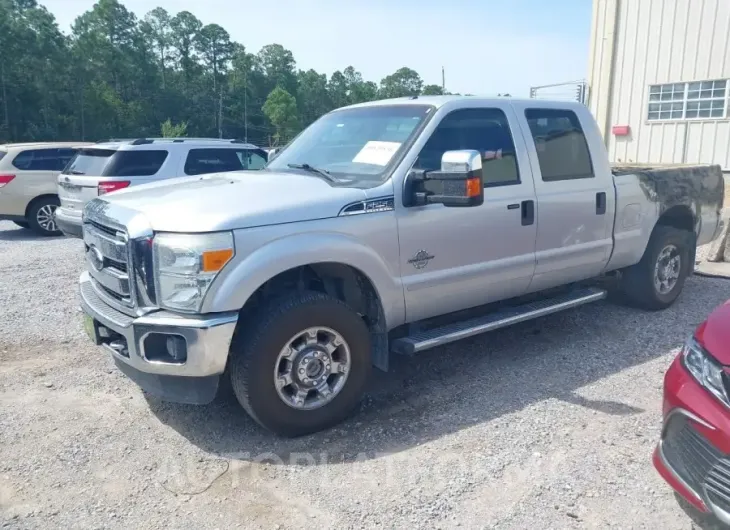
(692, 454)
(28, 191)
(110, 166)
(395, 225)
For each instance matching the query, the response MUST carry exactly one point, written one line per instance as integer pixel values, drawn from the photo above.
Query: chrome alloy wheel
(312, 368)
(46, 218)
(667, 269)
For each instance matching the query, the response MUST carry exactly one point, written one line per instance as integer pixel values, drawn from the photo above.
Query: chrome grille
(107, 260)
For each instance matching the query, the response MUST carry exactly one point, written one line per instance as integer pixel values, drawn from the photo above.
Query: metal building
(659, 80)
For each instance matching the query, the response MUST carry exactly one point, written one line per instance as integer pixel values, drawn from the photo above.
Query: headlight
(185, 266)
(705, 369)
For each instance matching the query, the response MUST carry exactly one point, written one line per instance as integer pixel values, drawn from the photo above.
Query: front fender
(252, 268)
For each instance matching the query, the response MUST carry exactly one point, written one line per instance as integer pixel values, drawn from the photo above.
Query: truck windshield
(355, 146)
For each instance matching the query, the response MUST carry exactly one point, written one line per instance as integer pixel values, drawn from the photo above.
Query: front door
(456, 258)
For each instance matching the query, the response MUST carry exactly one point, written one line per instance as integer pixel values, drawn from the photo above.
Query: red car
(693, 455)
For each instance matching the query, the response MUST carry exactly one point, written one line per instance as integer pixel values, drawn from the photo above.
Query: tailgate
(78, 184)
(75, 191)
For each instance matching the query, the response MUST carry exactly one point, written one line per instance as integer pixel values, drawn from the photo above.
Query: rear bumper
(693, 455)
(135, 345)
(69, 224)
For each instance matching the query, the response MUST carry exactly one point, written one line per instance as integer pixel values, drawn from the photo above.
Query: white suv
(114, 165)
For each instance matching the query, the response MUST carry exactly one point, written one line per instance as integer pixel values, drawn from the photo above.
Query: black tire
(38, 212)
(22, 224)
(257, 345)
(637, 281)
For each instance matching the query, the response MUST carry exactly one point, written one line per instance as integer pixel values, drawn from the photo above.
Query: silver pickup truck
(387, 227)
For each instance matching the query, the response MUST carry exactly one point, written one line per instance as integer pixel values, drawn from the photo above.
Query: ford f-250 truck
(391, 226)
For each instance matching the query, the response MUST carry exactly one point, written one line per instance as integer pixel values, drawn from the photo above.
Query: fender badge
(421, 259)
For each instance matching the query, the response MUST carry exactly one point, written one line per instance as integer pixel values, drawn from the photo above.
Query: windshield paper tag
(377, 153)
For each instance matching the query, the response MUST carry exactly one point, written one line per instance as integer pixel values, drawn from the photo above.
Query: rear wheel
(22, 224)
(42, 216)
(302, 366)
(657, 280)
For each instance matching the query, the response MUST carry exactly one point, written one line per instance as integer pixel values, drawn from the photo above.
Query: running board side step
(432, 338)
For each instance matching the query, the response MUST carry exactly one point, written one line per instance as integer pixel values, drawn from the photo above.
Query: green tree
(313, 98)
(404, 82)
(157, 29)
(278, 66)
(173, 130)
(433, 90)
(185, 28)
(281, 109)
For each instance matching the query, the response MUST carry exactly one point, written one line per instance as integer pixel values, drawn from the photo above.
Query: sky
(485, 46)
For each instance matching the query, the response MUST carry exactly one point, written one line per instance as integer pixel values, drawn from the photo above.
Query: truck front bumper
(173, 357)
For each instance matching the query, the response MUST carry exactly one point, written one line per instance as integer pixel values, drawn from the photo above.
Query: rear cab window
(562, 149)
(112, 163)
(218, 160)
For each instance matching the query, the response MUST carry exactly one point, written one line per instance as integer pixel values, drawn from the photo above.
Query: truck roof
(440, 101)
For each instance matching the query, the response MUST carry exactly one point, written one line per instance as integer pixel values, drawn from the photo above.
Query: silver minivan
(110, 166)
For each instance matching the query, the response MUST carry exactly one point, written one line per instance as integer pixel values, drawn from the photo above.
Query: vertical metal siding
(656, 42)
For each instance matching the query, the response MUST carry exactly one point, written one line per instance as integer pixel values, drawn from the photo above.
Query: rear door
(37, 169)
(576, 203)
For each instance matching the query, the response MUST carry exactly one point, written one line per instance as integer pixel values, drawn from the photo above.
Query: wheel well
(338, 280)
(679, 217)
(36, 200)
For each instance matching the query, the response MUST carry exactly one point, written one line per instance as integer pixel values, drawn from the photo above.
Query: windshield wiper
(321, 172)
(75, 172)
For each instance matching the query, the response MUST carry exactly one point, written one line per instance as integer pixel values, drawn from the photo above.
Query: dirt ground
(549, 424)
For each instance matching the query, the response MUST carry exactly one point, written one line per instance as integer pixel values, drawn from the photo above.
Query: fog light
(165, 348)
(177, 348)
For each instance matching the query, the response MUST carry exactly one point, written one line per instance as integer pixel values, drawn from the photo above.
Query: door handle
(528, 213)
(513, 206)
(601, 203)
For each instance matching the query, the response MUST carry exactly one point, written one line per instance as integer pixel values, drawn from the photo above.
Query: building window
(697, 100)
(666, 102)
(706, 99)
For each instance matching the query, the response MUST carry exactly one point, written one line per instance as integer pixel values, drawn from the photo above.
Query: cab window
(483, 130)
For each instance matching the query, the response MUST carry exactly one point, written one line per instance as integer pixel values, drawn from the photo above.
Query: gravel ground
(550, 424)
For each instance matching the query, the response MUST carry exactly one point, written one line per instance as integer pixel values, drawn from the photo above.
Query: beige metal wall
(637, 43)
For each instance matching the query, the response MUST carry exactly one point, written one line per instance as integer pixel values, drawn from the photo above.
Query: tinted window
(135, 163)
(201, 161)
(89, 162)
(41, 160)
(251, 159)
(64, 157)
(483, 130)
(561, 146)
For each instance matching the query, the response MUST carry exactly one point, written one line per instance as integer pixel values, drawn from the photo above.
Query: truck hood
(714, 334)
(228, 201)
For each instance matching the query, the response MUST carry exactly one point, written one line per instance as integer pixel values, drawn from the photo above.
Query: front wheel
(657, 280)
(302, 365)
